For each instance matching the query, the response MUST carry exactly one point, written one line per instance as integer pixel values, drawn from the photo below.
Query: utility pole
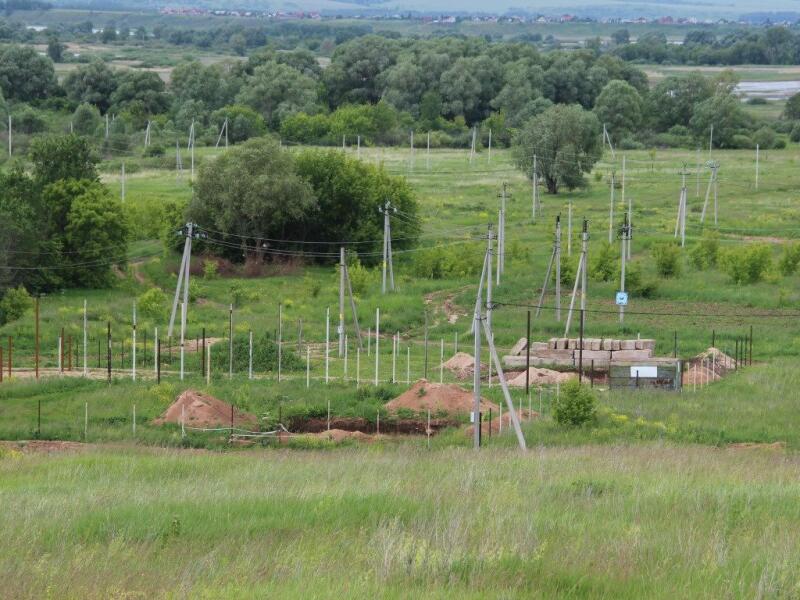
(9, 136)
(191, 149)
(387, 245)
(580, 276)
(122, 181)
(569, 228)
(501, 233)
(428, 153)
(223, 129)
(133, 346)
(680, 223)
(712, 184)
(341, 300)
(756, 166)
(178, 161)
(534, 189)
(106, 127)
(490, 147)
(555, 259)
(146, 134)
(611, 209)
(85, 341)
(625, 238)
(711, 140)
(183, 273)
(489, 280)
(476, 375)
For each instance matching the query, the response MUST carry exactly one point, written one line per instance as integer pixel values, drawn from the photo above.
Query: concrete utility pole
(623, 181)
(555, 259)
(607, 138)
(358, 147)
(178, 161)
(85, 343)
(341, 300)
(386, 210)
(534, 189)
(697, 177)
(489, 279)
(428, 153)
(611, 210)
(624, 255)
(9, 135)
(472, 147)
(580, 276)
(122, 182)
(630, 225)
(711, 140)
(106, 126)
(191, 149)
(680, 223)
(489, 160)
(476, 375)
(756, 166)
(146, 134)
(183, 273)
(569, 228)
(223, 130)
(501, 233)
(133, 345)
(712, 184)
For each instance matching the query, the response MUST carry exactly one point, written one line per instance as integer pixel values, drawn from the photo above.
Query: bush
(439, 262)
(604, 265)
(210, 269)
(795, 134)
(706, 253)
(667, 257)
(154, 150)
(576, 406)
(765, 138)
(748, 264)
(28, 120)
(152, 303)
(636, 284)
(361, 278)
(14, 304)
(742, 142)
(790, 259)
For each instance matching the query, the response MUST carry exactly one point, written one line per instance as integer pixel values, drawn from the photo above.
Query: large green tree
(25, 75)
(277, 91)
(619, 106)
(566, 143)
(56, 157)
(252, 194)
(93, 83)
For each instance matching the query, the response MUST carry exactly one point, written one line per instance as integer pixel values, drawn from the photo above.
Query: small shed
(656, 372)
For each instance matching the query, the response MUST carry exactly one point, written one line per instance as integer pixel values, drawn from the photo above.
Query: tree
(238, 44)
(355, 69)
(565, 140)
(243, 122)
(673, 100)
(85, 119)
(56, 157)
(277, 91)
(55, 49)
(725, 113)
(25, 75)
(140, 91)
(252, 192)
(95, 238)
(28, 120)
(349, 193)
(619, 106)
(792, 109)
(94, 83)
(621, 36)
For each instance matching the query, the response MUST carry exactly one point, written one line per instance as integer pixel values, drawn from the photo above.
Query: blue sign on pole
(622, 298)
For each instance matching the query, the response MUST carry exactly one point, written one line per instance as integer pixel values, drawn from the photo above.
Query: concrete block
(551, 343)
(648, 344)
(515, 362)
(638, 344)
(552, 361)
(594, 343)
(629, 355)
(595, 355)
(615, 344)
(627, 345)
(561, 344)
(538, 347)
(606, 344)
(519, 347)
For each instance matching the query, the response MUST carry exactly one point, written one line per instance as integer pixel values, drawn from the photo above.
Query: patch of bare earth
(436, 397)
(197, 409)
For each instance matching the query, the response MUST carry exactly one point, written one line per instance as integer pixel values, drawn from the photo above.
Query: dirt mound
(708, 366)
(339, 435)
(202, 410)
(494, 427)
(462, 365)
(541, 377)
(436, 397)
(44, 446)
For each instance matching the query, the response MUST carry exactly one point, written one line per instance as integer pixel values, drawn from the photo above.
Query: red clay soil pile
(339, 435)
(202, 410)
(438, 397)
(462, 365)
(708, 366)
(541, 377)
(523, 415)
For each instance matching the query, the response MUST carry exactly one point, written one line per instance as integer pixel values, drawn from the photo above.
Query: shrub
(576, 406)
(741, 142)
(765, 138)
(790, 259)
(795, 134)
(361, 278)
(210, 269)
(14, 304)
(152, 303)
(636, 284)
(154, 151)
(667, 257)
(747, 264)
(706, 253)
(438, 262)
(604, 265)
(265, 354)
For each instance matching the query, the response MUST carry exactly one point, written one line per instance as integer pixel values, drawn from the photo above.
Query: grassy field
(656, 500)
(655, 521)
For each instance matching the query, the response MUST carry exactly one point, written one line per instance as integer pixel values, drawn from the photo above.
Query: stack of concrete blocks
(565, 352)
